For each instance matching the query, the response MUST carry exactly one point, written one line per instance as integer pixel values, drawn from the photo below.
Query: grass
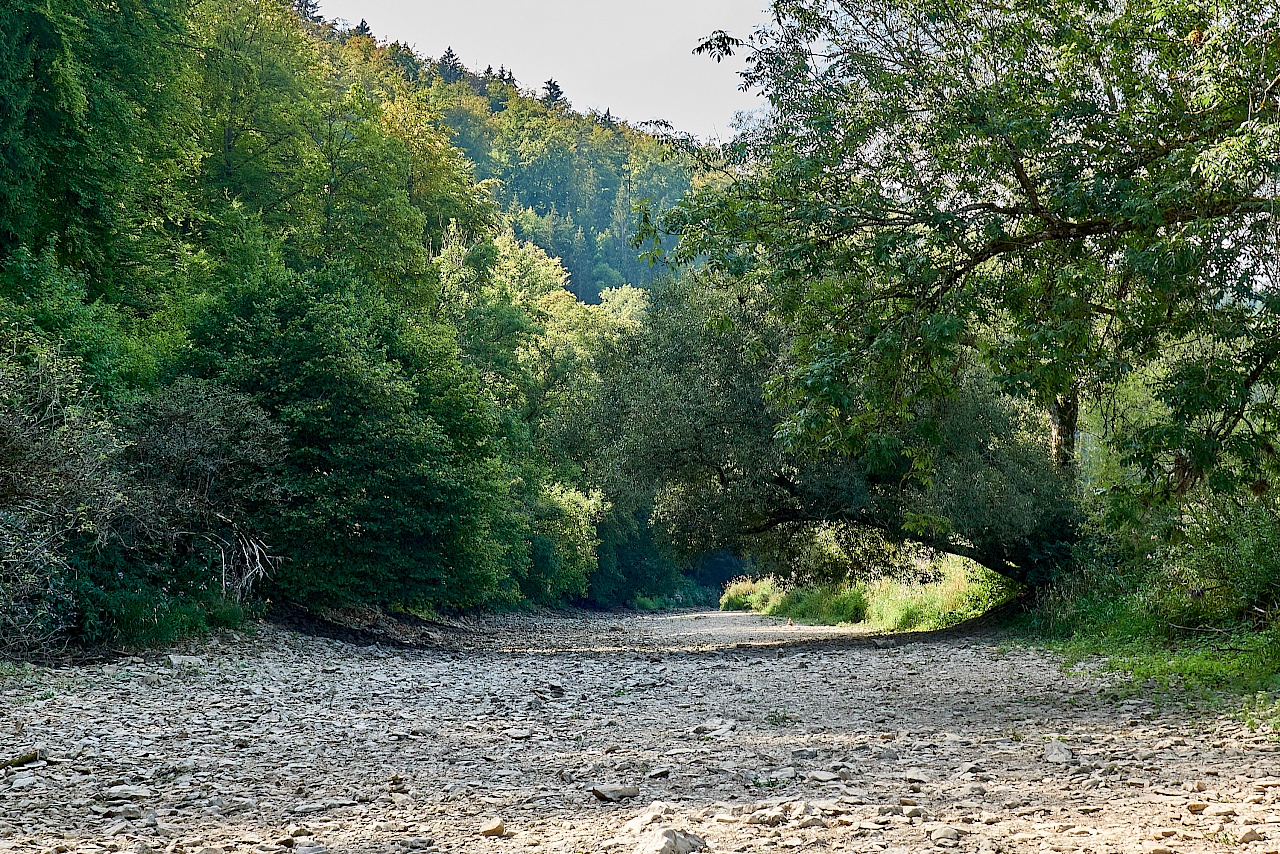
(688, 596)
(963, 591)
(1136, 627)
(143, 622)
(959, 590)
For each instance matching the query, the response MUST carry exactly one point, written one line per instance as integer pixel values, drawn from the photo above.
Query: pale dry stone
(668, 840)
(493, 827)
(1057, 752)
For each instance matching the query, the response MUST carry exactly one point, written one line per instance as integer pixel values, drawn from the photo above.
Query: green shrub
(394, 495)
(688, 594)
(1226, 560)
(1186, 600)
(751, 594)
(828, 606)
(630, 563)
(960, 591)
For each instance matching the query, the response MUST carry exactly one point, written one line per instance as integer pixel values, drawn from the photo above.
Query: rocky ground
(618, 733)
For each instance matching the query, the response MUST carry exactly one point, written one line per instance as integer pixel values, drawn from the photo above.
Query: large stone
(493, 827)
(668, 840)
(1057, 752)
(614, 791)
(122, 793)
(769, 818)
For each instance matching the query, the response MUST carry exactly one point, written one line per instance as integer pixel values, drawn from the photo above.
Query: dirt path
(753, 736)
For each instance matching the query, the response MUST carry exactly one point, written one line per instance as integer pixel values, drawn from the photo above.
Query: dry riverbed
(720, 729)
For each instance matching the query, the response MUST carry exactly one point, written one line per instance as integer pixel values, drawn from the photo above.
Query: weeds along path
(751, 736)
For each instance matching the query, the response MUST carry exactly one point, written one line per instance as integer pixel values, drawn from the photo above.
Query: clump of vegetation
(949, 591)
(751, 594)
(360, 379)
(269, 325)
(1192, 600)
(958, 590)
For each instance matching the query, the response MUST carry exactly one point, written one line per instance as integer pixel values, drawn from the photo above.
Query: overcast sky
(633, 57)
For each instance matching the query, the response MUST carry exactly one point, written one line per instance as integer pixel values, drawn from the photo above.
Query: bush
(394, 492)
(1181, 598)
(57, 455)
(751, 594)
(832, 604)
(959, 590)
(827, 606)
(130, 531)
(1225, 561)
(206, 464)
(630, 563)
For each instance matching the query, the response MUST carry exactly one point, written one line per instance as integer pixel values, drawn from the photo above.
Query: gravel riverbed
(656, 734)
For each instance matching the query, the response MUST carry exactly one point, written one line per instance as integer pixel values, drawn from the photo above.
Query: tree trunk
(1064, 413)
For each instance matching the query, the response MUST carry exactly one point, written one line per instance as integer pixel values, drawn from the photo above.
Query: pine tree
(553, 95)
(308, 10)
(450, 68)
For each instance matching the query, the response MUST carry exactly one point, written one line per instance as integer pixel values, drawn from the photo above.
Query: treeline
(265, 327)
(569, 182)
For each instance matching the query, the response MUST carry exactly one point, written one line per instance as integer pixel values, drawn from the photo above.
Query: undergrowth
(1141, 626)
(953, 590)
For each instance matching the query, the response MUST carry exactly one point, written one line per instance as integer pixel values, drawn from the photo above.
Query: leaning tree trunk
(1064, 415)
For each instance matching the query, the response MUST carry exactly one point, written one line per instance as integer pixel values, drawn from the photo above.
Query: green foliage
(389, 478)
(751, 594)
(952, 285)
(265, 328)
(570, 182)
(93, 133)
(721, 472)
(1138, 602)
(59, 484)
(959, 590)
(125, 530)
(828, 605)
(1226, 557)
(946, 592)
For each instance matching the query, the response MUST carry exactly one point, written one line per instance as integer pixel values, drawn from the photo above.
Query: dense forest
(292, 312)
(280, 319)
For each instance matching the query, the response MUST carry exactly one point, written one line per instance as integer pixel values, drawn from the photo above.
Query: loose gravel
(654, 734)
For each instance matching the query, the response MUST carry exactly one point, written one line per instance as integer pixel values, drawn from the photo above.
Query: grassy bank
(952, 590)
(1143, 628)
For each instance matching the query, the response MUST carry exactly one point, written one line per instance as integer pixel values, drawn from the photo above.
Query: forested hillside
(570, 182)
(267, 328)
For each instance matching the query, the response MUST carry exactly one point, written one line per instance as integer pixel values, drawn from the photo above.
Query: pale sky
(634, 58)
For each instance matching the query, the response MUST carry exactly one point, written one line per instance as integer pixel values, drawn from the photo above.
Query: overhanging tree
(1082, 193)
